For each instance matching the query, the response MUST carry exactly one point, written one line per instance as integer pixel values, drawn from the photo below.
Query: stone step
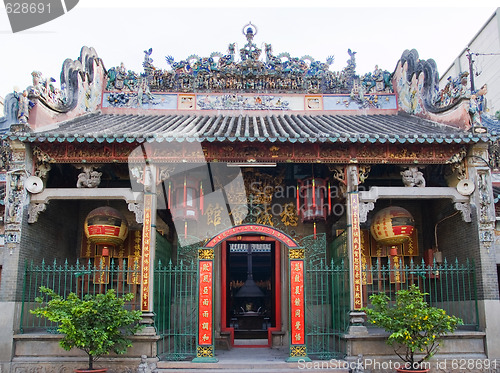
(241, 370)
(252, 369)
(255, 359)
(248, 364)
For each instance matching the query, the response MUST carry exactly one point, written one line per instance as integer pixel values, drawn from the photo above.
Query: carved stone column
(15, 196)
(148, 249)
(482, 198)
(482, 248)
(14, 252)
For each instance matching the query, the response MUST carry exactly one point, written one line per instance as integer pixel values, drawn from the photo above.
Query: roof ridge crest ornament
(250, 30)
(274, 74)
(250, 51)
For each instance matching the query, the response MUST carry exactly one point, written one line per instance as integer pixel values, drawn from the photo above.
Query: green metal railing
(327, 309)
(450, 286)
(78, 278)
(175, 294)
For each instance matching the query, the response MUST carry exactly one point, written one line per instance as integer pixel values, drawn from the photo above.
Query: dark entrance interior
(250, 289)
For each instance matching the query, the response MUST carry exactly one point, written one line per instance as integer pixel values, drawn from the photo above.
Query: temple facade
(247, 199)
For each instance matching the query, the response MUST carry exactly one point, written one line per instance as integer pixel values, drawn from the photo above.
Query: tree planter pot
(401, 370)
(96, 370)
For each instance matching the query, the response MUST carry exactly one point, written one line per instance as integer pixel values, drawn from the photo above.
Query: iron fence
(327, 309)
(175, 294)
(450, 286)
(78, 278)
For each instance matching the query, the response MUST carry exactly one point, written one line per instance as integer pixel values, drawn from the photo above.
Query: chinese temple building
(247, 199)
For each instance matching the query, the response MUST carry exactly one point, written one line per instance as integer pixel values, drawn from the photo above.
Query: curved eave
(347, 138)
(264, 128)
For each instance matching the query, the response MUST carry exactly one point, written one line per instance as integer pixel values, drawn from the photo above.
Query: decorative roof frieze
(248, 79)
(220, 72)
(333, 153)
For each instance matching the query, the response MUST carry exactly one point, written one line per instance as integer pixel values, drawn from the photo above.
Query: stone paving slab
(245, 359)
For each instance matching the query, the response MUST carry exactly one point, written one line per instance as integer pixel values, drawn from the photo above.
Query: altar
(250, 321)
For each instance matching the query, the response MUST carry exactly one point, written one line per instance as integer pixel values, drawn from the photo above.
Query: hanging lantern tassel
(169, 194)
(201, 197)
(185, 229)
(185, 192)
(314, 196)
(314, 230)
(329, 199)
(298, 201)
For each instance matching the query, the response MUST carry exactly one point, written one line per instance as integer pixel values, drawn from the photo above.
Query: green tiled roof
(402, 128)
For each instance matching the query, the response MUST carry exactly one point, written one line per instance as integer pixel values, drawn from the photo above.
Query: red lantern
(185, 199)
(313, 193)
(105, 251)
(392, 226)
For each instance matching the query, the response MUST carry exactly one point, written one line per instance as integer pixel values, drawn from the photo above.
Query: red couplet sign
(297, 297)
(146, 252)
(205, 303)
(356, 251)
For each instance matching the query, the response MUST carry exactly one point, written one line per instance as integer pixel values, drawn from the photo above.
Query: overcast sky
(120, 31)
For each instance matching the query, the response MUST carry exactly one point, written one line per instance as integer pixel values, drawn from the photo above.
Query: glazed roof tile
(401, 128)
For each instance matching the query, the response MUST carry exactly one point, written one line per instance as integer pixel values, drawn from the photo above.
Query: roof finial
(249, 31)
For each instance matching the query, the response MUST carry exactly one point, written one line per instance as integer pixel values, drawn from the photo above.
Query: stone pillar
(12, 256)
(357, 316)
(205, 351)
(484, 255)
(148, 249)
(15, 197)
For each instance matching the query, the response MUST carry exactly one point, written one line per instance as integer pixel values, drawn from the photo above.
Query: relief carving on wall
(484, 199)
(42, 162)
(15, 196)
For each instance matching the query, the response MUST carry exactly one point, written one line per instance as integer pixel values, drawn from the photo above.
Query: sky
(120, 30)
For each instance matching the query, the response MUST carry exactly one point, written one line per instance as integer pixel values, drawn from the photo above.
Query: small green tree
(96, 324)
(415, 326)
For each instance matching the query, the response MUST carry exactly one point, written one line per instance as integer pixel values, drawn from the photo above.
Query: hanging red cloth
(185, 192)
(329, 199)
(201, 197)
(298, 200)
(169, 194)
(314, 196)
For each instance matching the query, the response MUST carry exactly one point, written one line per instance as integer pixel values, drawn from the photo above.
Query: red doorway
(250, 318)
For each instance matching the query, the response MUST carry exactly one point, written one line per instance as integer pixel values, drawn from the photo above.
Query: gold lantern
(392, 226)
(106, 225)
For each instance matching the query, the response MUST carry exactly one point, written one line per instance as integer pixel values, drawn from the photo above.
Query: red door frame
(277, 286)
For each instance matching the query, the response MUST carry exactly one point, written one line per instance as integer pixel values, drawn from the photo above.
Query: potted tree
(415, 327)
(96, 324)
